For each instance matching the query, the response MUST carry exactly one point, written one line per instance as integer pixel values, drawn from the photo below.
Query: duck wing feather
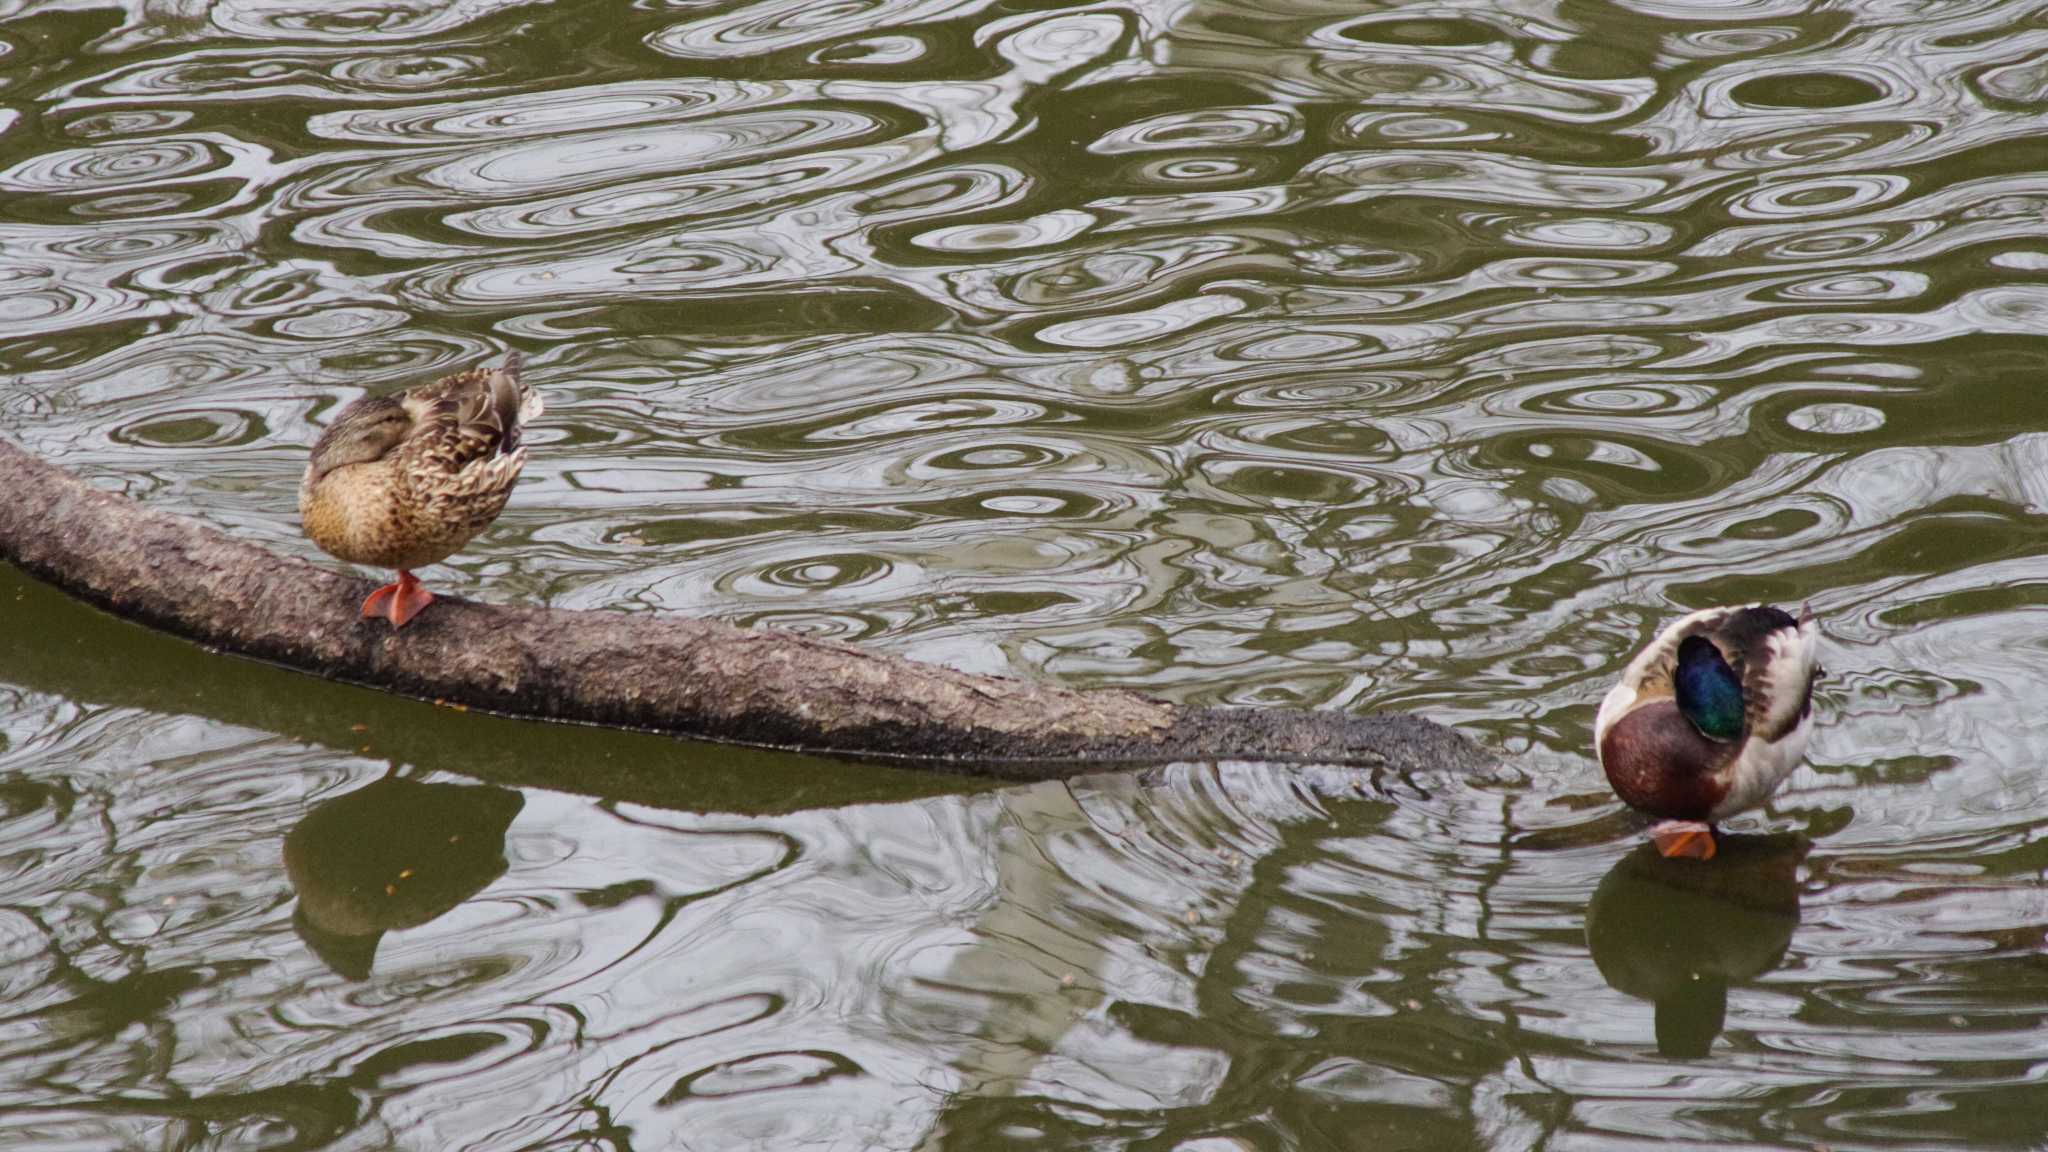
(464, 452)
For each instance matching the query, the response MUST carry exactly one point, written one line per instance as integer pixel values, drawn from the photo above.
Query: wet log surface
(685, 677)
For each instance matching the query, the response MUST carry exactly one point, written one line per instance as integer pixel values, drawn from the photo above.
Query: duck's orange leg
(398, 602)
(1688, 838)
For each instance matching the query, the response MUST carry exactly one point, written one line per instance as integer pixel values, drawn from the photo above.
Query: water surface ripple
(1290, 353)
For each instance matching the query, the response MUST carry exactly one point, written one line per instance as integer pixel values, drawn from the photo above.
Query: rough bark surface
(686, 677)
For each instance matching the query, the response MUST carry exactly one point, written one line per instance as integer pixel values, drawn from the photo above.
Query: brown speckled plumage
(405, 480)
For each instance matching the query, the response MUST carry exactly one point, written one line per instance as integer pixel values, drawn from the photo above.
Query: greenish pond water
(1294, 353)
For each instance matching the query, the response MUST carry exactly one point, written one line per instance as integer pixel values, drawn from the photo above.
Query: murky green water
(1295, 353)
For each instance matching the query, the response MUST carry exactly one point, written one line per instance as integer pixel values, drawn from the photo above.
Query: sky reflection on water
(1308, 354)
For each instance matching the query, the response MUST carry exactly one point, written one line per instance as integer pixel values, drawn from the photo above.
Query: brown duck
(1710, 719)
(404, 480)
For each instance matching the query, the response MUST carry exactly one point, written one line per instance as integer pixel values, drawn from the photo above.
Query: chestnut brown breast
(1659, 763)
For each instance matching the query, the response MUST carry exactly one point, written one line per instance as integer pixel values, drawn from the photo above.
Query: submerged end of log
(692, 678)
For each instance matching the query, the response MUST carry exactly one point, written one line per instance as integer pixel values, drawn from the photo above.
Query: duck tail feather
(513, 402)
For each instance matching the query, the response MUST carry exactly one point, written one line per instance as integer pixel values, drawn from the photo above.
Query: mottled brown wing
(364, 431)
(459, 424)
(462, 461)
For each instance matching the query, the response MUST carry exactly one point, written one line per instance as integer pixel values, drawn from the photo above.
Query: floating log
(701, 679)
(53, 645)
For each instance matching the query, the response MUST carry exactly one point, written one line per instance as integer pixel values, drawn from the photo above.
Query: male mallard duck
(1709, 719)
(403, 480)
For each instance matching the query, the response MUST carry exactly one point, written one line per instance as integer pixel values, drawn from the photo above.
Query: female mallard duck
(1709, 719)
(402, 481)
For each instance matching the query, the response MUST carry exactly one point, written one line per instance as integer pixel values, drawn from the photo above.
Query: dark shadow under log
(683, 677)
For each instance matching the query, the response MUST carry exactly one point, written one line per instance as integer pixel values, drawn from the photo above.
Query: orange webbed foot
(398, 602)
(1683, 838)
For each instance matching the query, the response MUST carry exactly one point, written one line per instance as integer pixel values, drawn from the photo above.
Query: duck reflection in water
(1676, 934)
(393, 854)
